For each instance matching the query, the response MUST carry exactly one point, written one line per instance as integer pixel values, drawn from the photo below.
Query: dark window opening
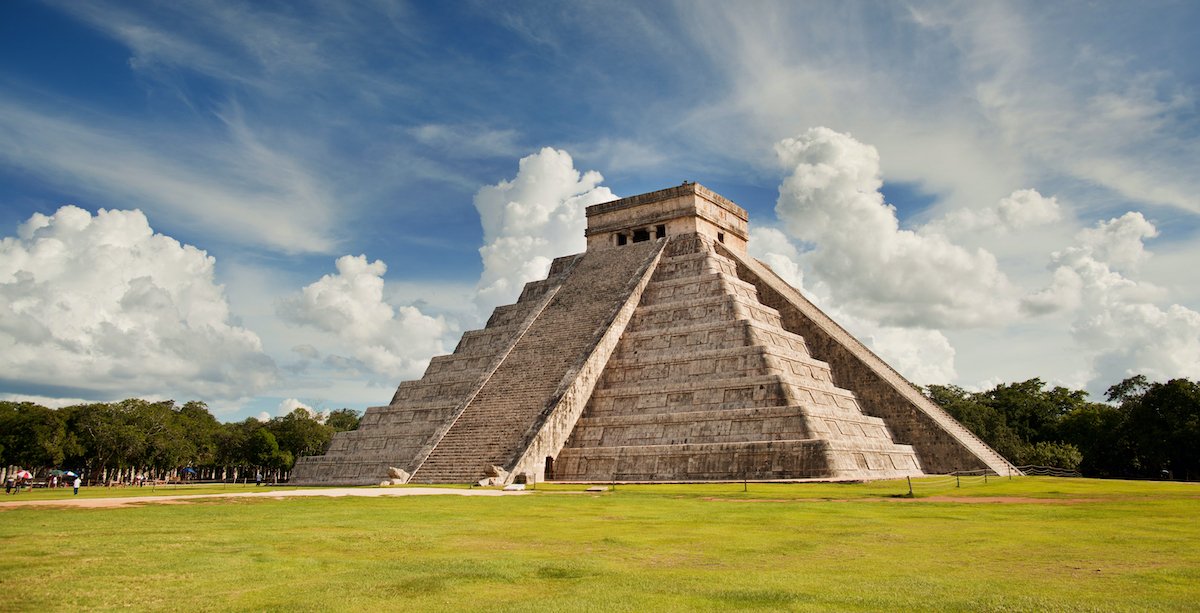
(641, 235)
(660, 231)
(621, 239)
(720, 237)
(549, 469)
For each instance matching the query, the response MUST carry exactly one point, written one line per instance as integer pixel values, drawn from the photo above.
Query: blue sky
(983, 192)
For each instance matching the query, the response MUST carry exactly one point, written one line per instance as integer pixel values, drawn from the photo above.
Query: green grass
(1097, 546)
(65, 493)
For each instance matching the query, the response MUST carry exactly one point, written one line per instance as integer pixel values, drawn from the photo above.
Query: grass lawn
(1070, 544)
(65, 493)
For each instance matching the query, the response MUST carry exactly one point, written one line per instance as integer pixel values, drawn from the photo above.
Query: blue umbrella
(70, 473)
(188, 470)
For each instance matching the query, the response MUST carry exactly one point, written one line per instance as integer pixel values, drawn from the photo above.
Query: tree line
(1146, 430)
(159, 440)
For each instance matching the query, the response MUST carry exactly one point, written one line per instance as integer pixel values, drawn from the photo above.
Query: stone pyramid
(661, 353)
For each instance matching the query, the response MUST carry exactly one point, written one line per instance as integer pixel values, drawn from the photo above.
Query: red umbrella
(24, 474)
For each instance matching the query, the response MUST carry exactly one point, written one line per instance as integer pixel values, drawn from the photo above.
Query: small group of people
(13, 485)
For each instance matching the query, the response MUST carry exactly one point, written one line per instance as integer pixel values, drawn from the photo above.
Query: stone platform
(662, 353)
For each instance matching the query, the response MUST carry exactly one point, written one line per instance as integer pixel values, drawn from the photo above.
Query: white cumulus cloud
(530, 220)
(1119, 242)
(773, 248)
(287, 405)
(393, 341)
(1116, 320)
(831, 200)
(920, 354)
(1024, 208)
(102, 303)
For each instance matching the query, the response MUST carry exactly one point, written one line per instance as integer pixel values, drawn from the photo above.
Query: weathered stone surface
(545, 374)
(403, 433)
(648, 358)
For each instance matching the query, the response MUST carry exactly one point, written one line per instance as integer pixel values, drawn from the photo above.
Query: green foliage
(301, 434)
(158, 437)
(1097, 431)
(1018, 420)
(342, 420)
(1162, 426)
(263, 450)
(30, 434)
(1153, 428)
(1062, 455)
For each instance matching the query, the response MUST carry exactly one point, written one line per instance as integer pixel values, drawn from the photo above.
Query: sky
(268, 205)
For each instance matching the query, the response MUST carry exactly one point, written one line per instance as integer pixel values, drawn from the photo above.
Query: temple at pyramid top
(661, 353)
(690, 208)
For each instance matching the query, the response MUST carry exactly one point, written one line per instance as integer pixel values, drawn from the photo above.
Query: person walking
(76, 483)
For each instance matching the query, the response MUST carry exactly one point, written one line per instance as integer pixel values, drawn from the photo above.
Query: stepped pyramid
(661, 353)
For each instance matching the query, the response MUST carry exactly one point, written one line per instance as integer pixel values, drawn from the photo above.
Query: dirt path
(103, 503)
(956, 499)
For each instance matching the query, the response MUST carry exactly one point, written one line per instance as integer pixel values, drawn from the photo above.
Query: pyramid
(662, 353)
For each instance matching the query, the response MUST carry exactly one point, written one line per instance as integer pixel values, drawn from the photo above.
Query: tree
(983, 420)
(233, 442)
(31, 435)
(1020, 421)
(300, 434)
(1061, 455)
(199, 426)
(263, 450)
(1030, 411)
(1098, 432)
(1162, 425)
(342, 420)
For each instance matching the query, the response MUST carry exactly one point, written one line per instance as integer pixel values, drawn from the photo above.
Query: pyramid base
(758, 461)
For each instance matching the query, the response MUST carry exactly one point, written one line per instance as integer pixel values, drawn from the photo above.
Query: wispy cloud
(272, 52)
(235, 186)
(971, 101)
(467, 141)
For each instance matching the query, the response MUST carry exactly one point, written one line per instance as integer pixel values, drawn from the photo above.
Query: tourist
(76, 484)
(8, 485)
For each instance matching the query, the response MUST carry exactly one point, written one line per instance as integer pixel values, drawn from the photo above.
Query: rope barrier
(1048, 471)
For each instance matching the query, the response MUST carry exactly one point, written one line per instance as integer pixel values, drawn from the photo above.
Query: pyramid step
(722, 307)
(515, 397)
(692, 264)
(686, 288)
(707, 335)
(754, 360)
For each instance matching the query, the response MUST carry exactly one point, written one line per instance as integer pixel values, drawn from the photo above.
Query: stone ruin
(662, 353)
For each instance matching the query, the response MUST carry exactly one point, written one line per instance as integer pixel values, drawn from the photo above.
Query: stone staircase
(402, 434)
(496, 425)
(707, 385)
